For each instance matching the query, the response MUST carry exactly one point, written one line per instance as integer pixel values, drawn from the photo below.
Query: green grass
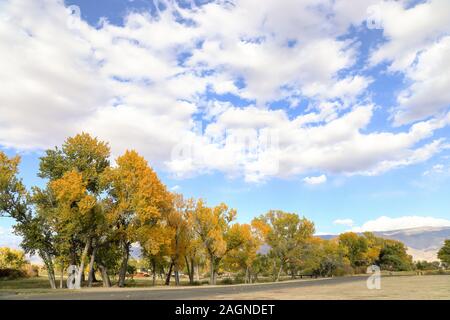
(25, 283)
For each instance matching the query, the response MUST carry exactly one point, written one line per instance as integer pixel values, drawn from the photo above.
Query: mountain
(423, 243)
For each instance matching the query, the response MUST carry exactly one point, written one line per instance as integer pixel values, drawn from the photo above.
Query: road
(186, 293)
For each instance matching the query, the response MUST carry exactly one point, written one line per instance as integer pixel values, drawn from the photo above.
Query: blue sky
(357, 113)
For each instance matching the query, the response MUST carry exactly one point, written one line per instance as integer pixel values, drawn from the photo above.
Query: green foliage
(426, 265)
(12, 259)
(356, 248)
(393, 257)
(444, 253)
(286, 234)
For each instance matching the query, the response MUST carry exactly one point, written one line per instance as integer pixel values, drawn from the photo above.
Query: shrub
(227, 281)
(10, 274)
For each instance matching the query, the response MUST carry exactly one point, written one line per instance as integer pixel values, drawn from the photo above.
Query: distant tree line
(90, 213)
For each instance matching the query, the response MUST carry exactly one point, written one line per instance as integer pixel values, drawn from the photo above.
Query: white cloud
(175, 188)
(386, 223)
(126, 85)
(344, 222)
(417, 45)
(409, 30)
(429, 92)
(315, 180)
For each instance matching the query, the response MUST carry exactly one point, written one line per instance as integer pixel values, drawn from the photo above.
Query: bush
(11, 274)
(227, 281)
(31, 270)
(200, 283)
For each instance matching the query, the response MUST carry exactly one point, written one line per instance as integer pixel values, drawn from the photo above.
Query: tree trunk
(248, 275)
(105, 276)
(124, 265)
(197, 271)
(82, 262)
(154, 272)
(279, 272)
(177, 278)
(91, 268)
(190, 269)
(61, 279)
(212, 271)
(50, 269)
(169, 274)
(94, 277)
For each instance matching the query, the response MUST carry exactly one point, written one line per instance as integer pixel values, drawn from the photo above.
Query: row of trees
(90, 213)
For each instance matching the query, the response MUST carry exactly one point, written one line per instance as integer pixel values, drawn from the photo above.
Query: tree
(137, 201)
(244, 257)
(13, 194)
(444, 253)
(426, 265)
(73, 192)
(15, 203)
(286, 235)
(178, 223)
(213, 226)
(12, 259)
(393, 257)
(356, 248)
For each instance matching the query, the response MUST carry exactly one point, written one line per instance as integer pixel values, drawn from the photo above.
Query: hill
(423, 243)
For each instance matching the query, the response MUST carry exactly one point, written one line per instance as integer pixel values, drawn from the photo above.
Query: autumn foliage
(92, 213)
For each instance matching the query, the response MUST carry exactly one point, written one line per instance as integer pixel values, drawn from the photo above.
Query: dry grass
(392, 288)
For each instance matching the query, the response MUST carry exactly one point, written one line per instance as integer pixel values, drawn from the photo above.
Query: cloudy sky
(335, 109)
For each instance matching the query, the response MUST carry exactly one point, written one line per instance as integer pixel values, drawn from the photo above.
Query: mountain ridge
(423, 243)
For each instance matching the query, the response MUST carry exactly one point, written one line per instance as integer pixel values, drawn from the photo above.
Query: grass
(397, 285)
(392, 288)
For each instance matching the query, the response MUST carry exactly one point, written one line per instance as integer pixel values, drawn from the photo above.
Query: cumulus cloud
(344, 222)
(417, 45)
(387, 224)
(150, 85)
(315, 180)
(429, 92)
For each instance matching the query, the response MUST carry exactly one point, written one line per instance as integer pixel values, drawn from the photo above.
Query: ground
(353, 287)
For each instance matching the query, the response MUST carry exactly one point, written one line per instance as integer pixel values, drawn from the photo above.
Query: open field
(353, 287)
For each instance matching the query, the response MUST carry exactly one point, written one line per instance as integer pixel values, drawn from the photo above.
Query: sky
(337, 110)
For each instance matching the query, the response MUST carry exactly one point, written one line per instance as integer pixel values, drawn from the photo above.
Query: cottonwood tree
(180, 235)
(137, 201)
(286, 234)
(37, 237)
(74, 187)
(394, 257)
(244, 256)
(444, 253)
(12, 259)
(356, 247)
(213, 226)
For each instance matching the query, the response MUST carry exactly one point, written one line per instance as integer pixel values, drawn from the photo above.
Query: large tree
(286, 235)
(218, 235)
(444, 253)
(393, 257)
(71, 200)
(37, 236)
(136, 204)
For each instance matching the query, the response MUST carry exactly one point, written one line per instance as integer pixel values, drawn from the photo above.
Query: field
(353, 287)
